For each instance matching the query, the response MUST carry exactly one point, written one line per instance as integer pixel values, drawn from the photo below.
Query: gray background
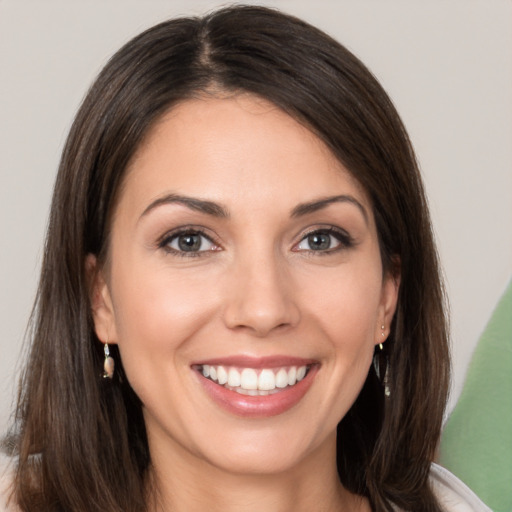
(446, 64)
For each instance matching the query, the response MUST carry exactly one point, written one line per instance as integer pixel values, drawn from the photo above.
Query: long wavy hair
(80, 440)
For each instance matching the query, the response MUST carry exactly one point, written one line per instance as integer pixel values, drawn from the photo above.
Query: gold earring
(108, 363)
(382, 334)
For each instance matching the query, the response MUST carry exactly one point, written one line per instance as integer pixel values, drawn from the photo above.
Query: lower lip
(258, 406)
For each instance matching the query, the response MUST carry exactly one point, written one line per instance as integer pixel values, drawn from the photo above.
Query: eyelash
(168, 238)
(344, 239)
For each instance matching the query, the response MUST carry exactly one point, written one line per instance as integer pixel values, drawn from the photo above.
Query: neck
(181, 486)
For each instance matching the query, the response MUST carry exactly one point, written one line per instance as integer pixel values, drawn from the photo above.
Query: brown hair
(81, 440)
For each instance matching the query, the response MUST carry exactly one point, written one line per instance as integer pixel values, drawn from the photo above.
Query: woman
(240, 304)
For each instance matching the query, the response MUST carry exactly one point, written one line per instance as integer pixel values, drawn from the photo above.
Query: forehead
(228, 147)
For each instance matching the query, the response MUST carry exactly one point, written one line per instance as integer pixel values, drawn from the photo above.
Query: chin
(267, 451)
(259, 462)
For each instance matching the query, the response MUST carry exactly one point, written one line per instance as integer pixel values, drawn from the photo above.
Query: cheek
(156, 311)
(346, 303)
(343, 307)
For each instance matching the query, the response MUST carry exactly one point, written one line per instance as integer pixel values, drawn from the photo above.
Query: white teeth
(249, 379)
(222, 375)
(266, 380)
(249, 382)
(233, 378)
(282, 378)
(292, 376)
(254, 392)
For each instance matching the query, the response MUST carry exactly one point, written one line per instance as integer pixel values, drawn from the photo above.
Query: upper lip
(245, 361)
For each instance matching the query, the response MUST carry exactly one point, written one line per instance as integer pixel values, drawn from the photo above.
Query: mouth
(254, 382)
(256, 387)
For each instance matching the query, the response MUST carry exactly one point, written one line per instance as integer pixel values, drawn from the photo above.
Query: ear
(388, 303)
(101, 302)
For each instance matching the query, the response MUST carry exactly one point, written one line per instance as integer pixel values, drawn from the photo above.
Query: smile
(252, 382)
(256, 387)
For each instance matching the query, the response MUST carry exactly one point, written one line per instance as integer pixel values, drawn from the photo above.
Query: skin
(258, 288)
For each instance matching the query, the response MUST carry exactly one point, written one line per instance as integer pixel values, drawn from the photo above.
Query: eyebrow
(217, 210)
(200, 205)
(319, 204)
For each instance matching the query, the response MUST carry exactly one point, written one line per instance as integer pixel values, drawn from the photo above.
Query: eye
(189, 241)
(324, 240)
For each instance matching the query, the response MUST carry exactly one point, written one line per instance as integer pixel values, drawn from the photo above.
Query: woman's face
(245, 287)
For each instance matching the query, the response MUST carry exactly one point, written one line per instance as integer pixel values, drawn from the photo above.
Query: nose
(260, 299)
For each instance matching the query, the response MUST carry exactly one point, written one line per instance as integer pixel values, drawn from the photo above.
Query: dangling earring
(387, 391)
(108, 363)
(380, 362)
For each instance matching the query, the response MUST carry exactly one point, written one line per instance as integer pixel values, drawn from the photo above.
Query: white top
(453, 494)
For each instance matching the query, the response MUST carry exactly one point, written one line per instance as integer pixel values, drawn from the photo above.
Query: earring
(380, 363)
(108, 363)
(387, 391)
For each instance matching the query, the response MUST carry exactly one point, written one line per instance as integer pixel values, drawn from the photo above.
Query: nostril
(259, 325)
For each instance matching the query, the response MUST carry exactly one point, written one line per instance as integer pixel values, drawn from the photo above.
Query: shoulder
(6, 477)
(454, 495)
